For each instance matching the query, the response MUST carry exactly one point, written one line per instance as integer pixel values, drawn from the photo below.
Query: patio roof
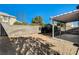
(67, 17)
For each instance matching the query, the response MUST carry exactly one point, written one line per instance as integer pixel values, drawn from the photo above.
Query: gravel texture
(32, 46)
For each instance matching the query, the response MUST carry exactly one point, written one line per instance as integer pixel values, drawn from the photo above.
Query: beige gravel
(62, 46)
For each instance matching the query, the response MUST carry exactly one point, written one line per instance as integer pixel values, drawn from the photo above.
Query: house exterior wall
(69, 26)
(1, 18)
(2, 31)
(12, 20)
(7, 19)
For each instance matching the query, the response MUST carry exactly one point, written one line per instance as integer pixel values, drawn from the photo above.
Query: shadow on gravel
(32, 46)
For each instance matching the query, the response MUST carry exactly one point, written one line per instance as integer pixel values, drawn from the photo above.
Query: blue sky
(31, 10)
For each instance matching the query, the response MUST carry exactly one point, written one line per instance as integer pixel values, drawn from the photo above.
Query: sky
(30, 11)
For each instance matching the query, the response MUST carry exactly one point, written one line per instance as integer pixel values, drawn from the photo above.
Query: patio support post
(53, 28)
(60, 30)
(78, 23)
(65, 27)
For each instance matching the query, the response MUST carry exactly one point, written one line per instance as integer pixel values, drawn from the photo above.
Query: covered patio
(68, 34)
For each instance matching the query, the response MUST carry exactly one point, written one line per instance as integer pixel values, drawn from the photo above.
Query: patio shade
(67, 17)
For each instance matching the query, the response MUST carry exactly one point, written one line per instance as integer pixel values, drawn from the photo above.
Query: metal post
(53, 28)
(78, 23)
(65, 27)
(60, 29)
(52, 22)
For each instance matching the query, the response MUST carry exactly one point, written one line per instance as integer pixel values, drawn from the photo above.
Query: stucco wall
(12, 21)
(20, 30)
(69, 26)
(6, 19)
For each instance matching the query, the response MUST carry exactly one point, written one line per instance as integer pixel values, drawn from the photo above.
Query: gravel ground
(62, 46)
(32, 46)
(37, 42)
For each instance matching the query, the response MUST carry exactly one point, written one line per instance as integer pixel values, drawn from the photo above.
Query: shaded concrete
(70, 37)
(6, 48)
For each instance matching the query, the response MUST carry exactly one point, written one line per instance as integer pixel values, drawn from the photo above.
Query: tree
(37, 20)
(20, 23)
(77, 7)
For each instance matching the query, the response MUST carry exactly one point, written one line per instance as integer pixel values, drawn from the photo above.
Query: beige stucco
(69, 26)
(7, 19)
(12, 21)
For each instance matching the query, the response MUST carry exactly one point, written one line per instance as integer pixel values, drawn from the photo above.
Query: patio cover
(67, 17)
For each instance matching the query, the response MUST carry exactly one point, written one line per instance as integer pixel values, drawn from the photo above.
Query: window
(0, 19)
(6, 18)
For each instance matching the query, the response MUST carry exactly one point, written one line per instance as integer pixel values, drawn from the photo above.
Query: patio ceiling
(67, 17)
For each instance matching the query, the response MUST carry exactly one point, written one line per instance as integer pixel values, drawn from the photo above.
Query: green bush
(37, 20)
(20, 23)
